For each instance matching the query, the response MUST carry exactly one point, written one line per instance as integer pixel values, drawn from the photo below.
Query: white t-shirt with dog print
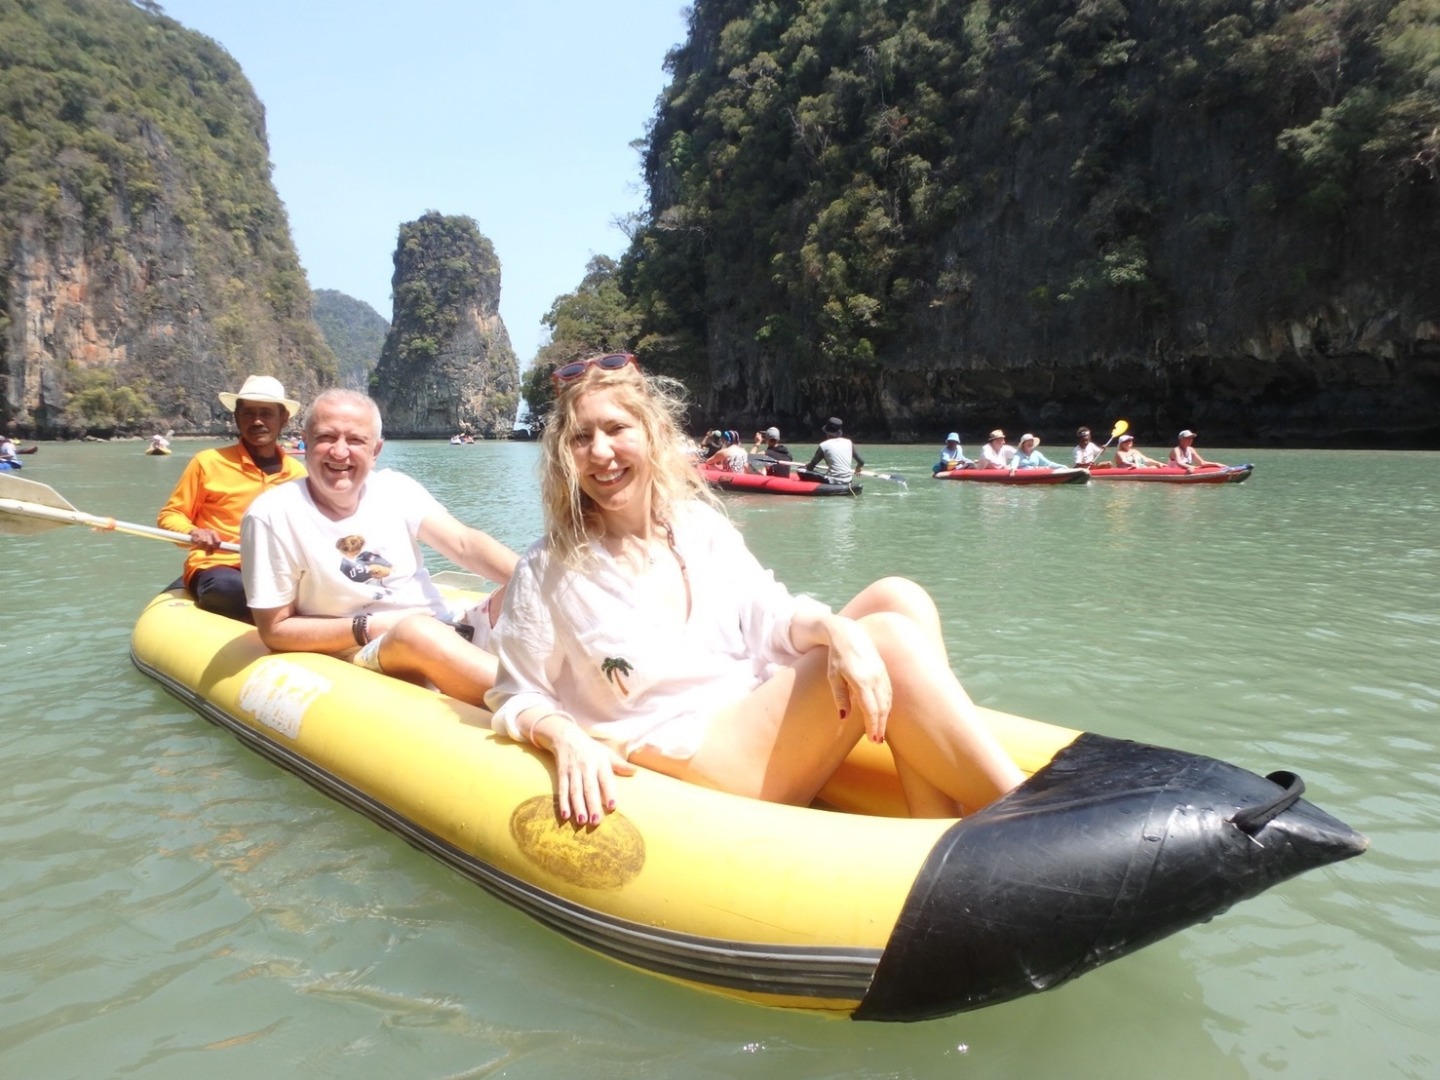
(369, 561)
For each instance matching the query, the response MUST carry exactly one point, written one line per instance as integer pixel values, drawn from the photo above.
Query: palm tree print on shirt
(615, 669)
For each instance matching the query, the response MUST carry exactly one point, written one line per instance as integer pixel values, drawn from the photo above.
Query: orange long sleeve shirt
(214, 491)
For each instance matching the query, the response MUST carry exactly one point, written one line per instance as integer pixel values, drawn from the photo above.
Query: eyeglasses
(609, 362)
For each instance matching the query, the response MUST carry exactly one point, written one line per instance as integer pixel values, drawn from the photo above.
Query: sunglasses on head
(609, 362)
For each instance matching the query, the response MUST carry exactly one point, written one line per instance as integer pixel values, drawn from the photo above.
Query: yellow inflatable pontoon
(849, 909)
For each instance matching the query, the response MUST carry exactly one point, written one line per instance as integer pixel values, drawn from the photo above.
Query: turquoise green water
(171, 905)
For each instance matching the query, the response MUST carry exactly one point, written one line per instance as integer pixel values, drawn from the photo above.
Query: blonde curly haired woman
(640, 631)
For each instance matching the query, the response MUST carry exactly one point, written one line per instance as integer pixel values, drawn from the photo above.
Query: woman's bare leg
(786, 738)
(905, 597)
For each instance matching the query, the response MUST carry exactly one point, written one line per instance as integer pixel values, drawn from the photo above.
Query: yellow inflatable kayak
(845, 908)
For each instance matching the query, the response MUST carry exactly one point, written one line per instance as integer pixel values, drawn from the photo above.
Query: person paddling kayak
(838, 453)
(218, 486)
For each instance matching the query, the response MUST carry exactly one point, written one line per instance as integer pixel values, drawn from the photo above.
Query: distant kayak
(1019, 476)
(1174, 474)
(157, 451)
(774, 485)
(7, 466)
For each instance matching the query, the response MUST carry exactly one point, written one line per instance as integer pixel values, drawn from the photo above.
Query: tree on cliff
(595, 318)
(447, 363)
(887, 209)
(142, 245)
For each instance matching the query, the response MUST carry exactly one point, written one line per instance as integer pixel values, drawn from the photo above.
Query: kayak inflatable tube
(1060, 475)
(10, 466)
(1109, 845)
(158, 451)
(1174, 474)
(774, 485)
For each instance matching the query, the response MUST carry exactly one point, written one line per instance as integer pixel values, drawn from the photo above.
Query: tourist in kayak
(1087, 450)
(218, 486)
(641, 631)
(951, 455)
(996, 453)
(1029, 456)
(332, 564)
(9, 455)
(1128, 456)
(1187, 457)
(838, 453)
(712, 442)
(769, 446)
(731, 456)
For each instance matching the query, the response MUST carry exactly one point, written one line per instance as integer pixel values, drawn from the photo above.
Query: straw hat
(1027, 437)
(262, 388)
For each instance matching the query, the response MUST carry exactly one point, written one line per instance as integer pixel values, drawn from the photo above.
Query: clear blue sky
(519, 114)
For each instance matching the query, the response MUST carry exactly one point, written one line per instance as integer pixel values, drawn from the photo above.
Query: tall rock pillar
(447, 364)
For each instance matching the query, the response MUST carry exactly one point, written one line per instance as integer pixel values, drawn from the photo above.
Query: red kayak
(1174, 474)
(1019, 476)
(773, 485)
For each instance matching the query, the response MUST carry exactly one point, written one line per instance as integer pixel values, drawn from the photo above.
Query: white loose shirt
(587, 642)
(997, 459)
(369, 561)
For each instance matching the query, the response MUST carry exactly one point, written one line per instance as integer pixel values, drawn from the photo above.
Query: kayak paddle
(894, 478)
(1121, 426)
(28, 507)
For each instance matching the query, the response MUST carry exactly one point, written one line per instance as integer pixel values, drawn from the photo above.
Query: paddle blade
(15, 523)
(1121, 426)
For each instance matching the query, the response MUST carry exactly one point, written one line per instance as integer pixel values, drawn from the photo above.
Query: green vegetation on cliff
(595, 318)
(447, 364)
(841, 189)
(355, 332)
(135, 183)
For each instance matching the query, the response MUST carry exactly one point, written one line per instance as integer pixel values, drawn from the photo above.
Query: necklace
(640, 554)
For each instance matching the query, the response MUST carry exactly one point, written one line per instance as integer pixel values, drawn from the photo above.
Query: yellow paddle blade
(1121, 426)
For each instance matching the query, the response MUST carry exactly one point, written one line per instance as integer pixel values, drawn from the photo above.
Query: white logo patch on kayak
(277, 693)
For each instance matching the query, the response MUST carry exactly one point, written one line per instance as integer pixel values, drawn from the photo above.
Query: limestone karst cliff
(447, 365)
(355, 332)
(146, 262)
(1221, 214)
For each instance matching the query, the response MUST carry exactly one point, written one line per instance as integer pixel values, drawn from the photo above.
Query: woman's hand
(585, 769)
(858, 676)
